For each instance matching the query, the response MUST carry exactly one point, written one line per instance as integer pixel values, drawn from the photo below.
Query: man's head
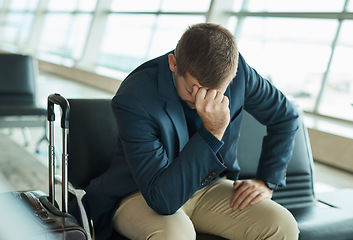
(206, 56)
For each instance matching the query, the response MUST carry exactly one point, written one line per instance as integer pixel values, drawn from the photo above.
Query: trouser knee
(136, 220)
(273, 222)
(283, 226)
(174, 231)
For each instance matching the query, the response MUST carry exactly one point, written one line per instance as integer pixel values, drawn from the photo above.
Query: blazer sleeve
(165, 182)
(270, 107)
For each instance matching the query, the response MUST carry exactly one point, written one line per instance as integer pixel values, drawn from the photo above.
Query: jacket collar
(167, 92)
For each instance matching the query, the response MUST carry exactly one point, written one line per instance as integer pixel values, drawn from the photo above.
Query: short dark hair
(209, 53)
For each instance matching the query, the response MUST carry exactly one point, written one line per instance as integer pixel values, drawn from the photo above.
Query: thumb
(237, 184)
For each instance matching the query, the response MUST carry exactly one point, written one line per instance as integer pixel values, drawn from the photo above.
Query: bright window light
(72, 5)
(337, 99)
(295, 6)
(292, 53)
(185, 5)
(23, 5)
(64, 35)
(136, 5)
(126, 41)
(169, 29)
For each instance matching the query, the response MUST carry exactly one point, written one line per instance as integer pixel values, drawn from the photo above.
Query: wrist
(271, 186)
(211, 140)
(216, 134)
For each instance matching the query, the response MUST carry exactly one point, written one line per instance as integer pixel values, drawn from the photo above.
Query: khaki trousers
(208, 211)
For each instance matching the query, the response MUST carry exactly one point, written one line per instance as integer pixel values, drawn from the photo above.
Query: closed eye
(188, 91)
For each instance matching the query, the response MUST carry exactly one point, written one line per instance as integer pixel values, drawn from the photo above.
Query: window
(135, 6)
(292, 53)
(295, 6)
(18, 24)
(63, 37)
(23, 5)
(169, 29)
(237, 5)
(72, 5)
(137, 31)
(64, 32)
(126, 41)
(350, 6)
(185, 6)
(337, 100)
(18, 27)
(297, 52)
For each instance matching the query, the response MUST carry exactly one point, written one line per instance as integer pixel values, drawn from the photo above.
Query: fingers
(207, 94)
(201, 94)
(220, 98)
(210, 97)
(243, 195)
(225, 100)
(257, 199)
(249, 193)
(213, 109)
(237, 184)
(245, 198)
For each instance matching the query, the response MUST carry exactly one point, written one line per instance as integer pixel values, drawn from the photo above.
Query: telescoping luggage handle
(57, 99)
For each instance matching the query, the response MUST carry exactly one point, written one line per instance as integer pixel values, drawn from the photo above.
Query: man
(176, 168)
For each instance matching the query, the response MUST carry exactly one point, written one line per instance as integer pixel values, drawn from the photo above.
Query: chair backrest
(92, 139)
(17, 80)
(299, 190)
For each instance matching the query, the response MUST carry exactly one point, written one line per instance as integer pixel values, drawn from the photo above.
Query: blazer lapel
(176, 114)
(174, 108)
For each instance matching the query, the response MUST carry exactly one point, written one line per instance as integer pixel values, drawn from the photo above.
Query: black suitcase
(33, 214)
(30, 215)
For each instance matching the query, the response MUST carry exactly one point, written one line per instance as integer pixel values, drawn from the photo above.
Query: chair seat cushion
(340, 198)
(323, 222)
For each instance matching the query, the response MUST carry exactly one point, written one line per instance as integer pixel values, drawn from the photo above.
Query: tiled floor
(326, 178)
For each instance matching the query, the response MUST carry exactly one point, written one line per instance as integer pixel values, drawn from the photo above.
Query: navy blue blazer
(156, 155)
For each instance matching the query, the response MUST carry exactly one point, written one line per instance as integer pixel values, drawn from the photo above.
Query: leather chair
(18, 107)
(92, 143)
(317, 219)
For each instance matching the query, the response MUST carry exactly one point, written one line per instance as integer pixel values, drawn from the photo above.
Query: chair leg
(26, 136)
(44, 138)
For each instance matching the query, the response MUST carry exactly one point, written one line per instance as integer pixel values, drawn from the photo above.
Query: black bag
(30, 215)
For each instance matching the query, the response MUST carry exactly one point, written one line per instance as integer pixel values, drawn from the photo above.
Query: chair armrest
(79, 193)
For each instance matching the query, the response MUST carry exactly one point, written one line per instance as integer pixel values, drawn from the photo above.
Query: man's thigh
(136, 220)
(265, 220)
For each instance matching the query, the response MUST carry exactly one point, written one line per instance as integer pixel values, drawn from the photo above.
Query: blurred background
(305, 48)
(85, 49)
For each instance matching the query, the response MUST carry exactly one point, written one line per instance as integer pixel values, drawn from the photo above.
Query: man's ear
(172, 62)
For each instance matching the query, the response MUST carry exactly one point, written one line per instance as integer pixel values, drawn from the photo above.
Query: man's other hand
(249, 192)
